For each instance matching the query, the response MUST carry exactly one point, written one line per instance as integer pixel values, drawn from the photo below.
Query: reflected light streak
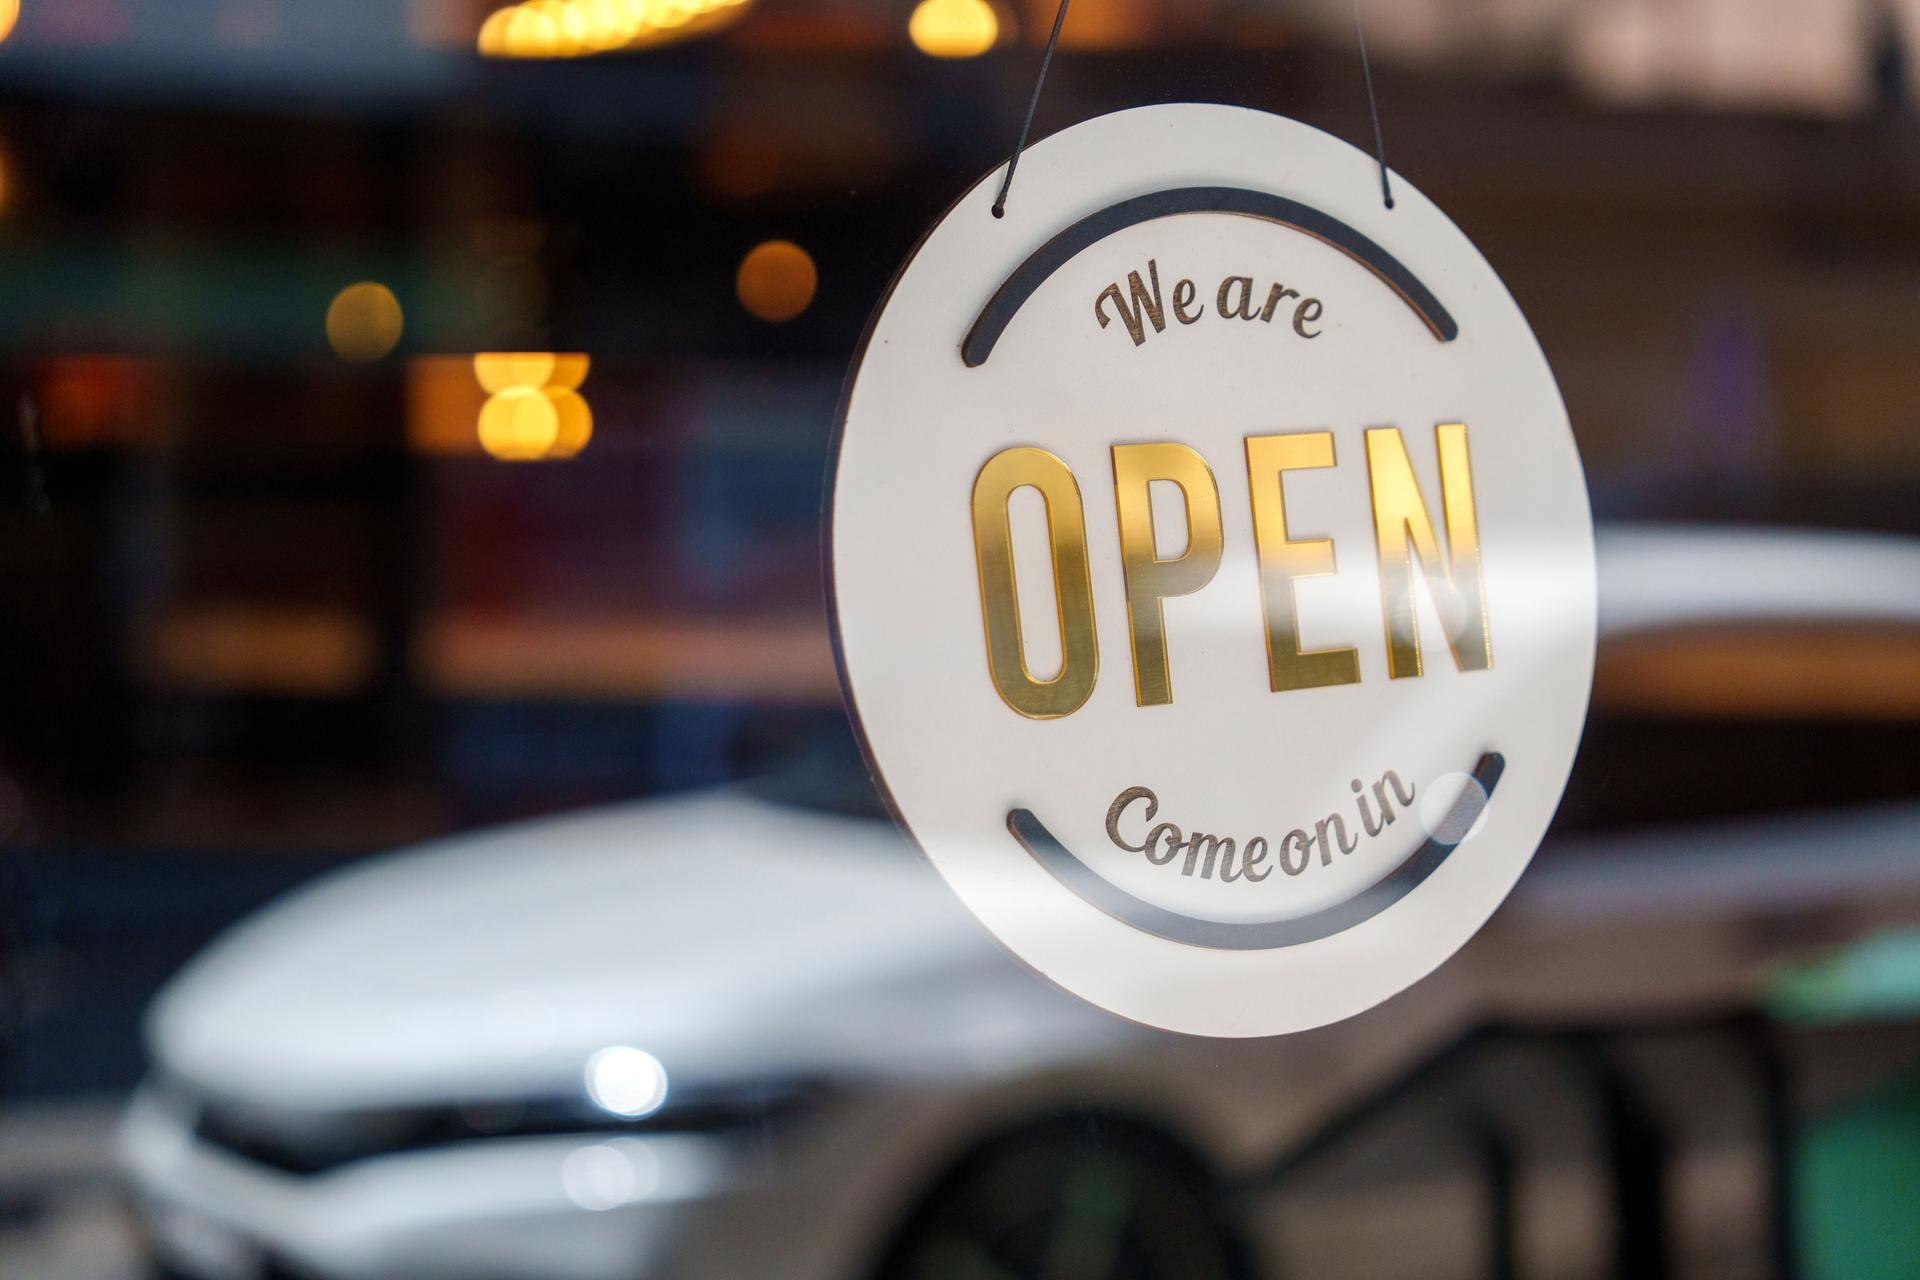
(577, 28)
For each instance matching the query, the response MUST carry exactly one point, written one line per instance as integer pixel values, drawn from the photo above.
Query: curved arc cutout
(1095, 227)
(1263, 935)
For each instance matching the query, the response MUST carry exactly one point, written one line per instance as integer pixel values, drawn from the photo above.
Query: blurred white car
(726, 1035)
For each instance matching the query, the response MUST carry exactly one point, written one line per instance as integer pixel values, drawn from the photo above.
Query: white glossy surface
(1227, 756)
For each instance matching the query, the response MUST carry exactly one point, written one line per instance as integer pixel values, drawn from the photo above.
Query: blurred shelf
(1781, 672)
(243, 648)
(1863, 673)
(303, 652)
(787, 661)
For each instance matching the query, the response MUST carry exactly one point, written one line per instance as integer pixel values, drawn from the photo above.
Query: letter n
(1404, 536)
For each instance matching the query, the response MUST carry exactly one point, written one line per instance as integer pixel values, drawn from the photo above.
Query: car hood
(705, 929)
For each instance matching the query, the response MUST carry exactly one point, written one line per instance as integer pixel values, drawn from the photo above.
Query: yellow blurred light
(493, 41)
(519, 424)
(533, 34)
(668, 14)
(953, 28)
(636, 23)
(575, 423)
(606, 24)
(516, 428)
(776, 281)
(569, 29)
(503, 370)
(9, 14)
(364, 322)
(574, 28)
(568, 372)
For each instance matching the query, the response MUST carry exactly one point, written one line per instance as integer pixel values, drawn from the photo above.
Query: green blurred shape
(1859, 1189)
(1872, 980)
(1858, 1174)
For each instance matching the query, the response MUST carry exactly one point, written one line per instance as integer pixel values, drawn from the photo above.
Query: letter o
(1296, 836)
(1174, 844)
(1006, 471)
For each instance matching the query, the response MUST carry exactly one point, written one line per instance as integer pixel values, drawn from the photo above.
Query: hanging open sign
(1213, 571)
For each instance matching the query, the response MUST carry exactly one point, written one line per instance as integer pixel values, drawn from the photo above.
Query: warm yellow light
(668, 14)
(533, 34)
(607, 24)
(519, 424)
(575, 423)
(953, 28)
(500, 371)
(635, 23)
(568, 372)
(776, 281)
(516, 428)
(569, 29)
(9, 14)
(574, 28)
(493, 33)
(363, 321)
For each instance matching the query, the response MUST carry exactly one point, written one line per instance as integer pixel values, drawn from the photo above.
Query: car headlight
(625, 1081)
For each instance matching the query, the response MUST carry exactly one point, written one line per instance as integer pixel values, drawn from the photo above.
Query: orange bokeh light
(776, 281)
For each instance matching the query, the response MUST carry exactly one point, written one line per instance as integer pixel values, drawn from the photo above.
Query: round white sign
(1213, 571)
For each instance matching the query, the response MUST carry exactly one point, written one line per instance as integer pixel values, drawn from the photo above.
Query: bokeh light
(953, 28)
(776, 281)
(364, 322)
(518, 424)
(626, 1081)
(9, 14)
(575, 424)
(503, 370)
(535, 412)
(568, 372)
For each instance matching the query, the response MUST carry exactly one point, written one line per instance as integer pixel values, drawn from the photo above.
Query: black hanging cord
(1373, 105)
(1046, 62)
(1026, 126)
